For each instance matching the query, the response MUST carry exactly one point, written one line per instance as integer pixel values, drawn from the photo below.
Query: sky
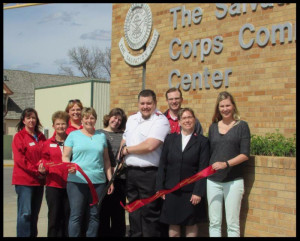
(37, 38)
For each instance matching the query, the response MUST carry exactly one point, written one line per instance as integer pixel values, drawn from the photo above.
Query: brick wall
(269, 204)
(263, 82)
(263, 79)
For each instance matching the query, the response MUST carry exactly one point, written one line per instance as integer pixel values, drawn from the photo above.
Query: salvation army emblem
(137, 28)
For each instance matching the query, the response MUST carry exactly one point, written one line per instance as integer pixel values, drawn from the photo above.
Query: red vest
(71, 128)
(26, 154)
(56, 176)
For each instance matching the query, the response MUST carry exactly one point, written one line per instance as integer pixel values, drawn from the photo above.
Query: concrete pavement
(10, 206)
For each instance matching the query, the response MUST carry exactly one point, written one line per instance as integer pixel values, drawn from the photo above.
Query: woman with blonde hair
(74, 109)
(229, 148)
(88, 148)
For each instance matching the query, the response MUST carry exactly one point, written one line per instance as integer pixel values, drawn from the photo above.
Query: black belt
(142, 168)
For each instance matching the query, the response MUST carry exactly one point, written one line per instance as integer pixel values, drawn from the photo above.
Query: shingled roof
(23, 83)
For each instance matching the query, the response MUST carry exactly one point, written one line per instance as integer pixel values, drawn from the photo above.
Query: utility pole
(19, 5)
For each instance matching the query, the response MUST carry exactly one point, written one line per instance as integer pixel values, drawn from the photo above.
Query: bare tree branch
(93, 63)
(66, 70)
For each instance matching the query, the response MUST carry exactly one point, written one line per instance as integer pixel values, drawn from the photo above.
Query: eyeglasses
(75, 100)
(171, 99)
(187, 118)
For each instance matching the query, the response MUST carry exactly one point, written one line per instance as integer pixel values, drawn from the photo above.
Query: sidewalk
(10, 206)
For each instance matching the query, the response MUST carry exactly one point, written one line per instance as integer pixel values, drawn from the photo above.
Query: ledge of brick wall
(269, 203)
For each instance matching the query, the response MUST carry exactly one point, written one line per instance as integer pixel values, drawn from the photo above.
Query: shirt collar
(140, 119)
(170, 117)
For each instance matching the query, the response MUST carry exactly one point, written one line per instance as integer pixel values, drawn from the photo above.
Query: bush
(273, 144)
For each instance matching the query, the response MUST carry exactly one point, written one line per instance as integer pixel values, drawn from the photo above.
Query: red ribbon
(67, 165)
(141, 202)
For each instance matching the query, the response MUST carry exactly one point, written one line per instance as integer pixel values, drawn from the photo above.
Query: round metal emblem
(138, 24)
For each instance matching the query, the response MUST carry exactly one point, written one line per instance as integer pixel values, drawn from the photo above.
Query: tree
(93, 63)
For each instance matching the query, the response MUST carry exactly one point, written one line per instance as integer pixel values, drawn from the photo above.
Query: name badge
(31, 144)
(53, 145)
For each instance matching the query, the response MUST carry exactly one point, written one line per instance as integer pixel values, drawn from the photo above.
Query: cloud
(34, 37)
(61, 62)
(61, 17)
(98, 35)
(25, 67)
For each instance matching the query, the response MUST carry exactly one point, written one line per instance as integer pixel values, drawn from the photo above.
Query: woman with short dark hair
(56, 178)
(183, 155)
(112, 214)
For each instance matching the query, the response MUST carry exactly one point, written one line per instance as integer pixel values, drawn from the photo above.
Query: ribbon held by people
(68, 165)
(142, 202)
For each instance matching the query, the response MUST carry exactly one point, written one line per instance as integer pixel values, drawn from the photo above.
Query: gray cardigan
(225, 147)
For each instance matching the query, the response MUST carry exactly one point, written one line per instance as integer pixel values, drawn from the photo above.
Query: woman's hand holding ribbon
(72, 170)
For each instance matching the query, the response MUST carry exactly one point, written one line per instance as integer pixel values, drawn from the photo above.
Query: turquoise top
(88, 154)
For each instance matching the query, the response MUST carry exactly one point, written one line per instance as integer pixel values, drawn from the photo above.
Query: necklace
(87, 133)
(60, 143)
(224, 128)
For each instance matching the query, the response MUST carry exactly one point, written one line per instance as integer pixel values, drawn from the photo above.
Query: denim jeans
(80, 198)
(29, 205)
(232, 192)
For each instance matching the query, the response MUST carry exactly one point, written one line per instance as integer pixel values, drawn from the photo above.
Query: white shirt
(138, 130)
(185, 140)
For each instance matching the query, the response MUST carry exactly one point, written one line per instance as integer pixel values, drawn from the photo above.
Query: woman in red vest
(56, 179)
(29, 182)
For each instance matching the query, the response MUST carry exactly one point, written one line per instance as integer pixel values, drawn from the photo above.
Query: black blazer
(175, 165)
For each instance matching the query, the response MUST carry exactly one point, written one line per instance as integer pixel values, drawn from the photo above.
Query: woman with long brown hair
(29, 182)
(229, 138)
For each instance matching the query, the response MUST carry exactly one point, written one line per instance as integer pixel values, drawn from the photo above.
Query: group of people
(158, 151)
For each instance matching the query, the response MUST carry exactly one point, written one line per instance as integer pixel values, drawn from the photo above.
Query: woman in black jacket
(184, 154)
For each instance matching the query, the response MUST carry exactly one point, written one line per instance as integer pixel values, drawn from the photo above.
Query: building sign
(137, 28)
(138, 25)
(202, 48)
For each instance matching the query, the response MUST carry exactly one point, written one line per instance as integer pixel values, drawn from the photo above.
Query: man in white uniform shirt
(144, 135)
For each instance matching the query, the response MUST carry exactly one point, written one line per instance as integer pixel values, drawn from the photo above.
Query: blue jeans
(232, 192)
(80, 197)
(29, 205)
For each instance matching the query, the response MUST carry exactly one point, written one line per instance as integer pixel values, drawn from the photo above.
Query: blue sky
(37, 38)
